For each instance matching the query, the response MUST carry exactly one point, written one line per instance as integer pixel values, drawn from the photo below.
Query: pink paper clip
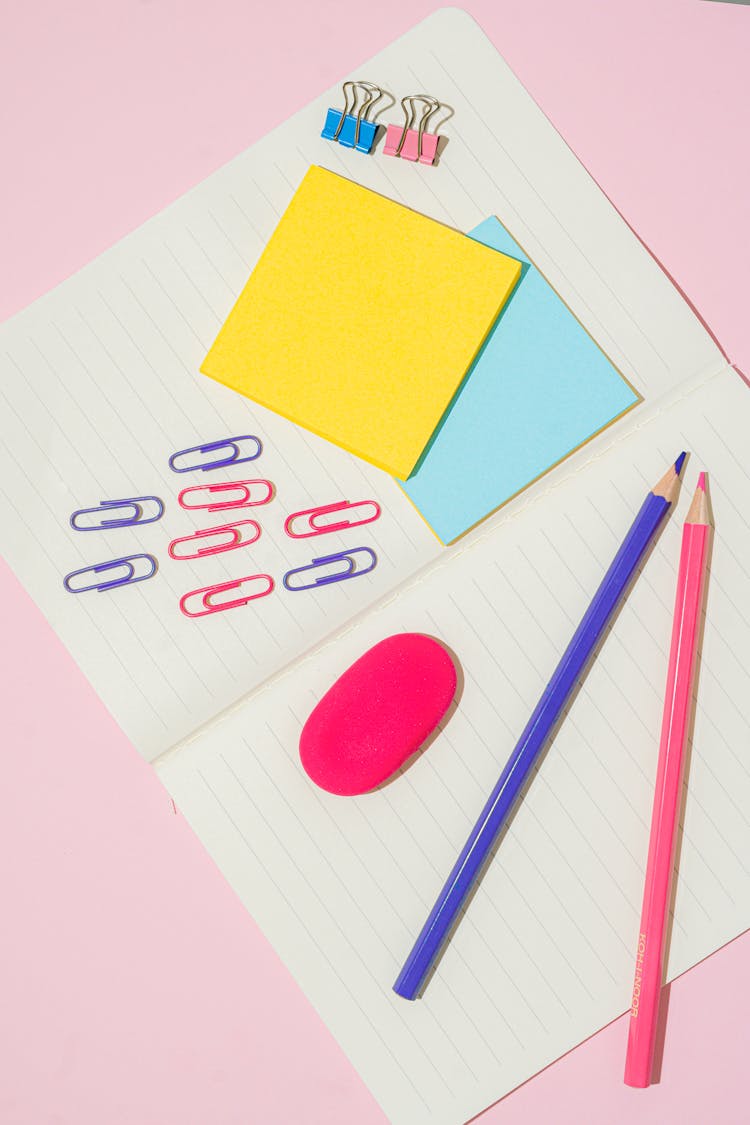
(207, 593)
(236, 540)
(312, 527)
(410, 143)
(245, 487)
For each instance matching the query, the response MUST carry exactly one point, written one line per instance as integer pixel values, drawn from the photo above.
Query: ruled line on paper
(311, 936)
(494, 140)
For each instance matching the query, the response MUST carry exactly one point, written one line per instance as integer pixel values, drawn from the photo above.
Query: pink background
(136, 990)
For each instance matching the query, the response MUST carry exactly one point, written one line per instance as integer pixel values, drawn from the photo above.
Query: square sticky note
(361, 319)
(539, 388)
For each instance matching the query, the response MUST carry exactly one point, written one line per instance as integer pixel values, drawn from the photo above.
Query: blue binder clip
(349, 130)
(128, 578)
(212, 447)
(351, 569)
(136, 503)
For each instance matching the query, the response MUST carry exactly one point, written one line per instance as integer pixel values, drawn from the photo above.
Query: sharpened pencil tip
(679, 463)
(702, 482)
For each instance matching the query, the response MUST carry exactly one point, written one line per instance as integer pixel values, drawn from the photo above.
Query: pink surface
(136, 990)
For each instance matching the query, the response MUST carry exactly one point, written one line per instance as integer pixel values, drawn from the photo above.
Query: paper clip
(206, 593)
(313, 514)
(236, 540)
(243, 501)
(212, 447)
(410, 143)
(351, 570)
(136, 503)
(126, 579)
(353, 132)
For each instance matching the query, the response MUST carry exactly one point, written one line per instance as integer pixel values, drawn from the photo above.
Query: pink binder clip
(311, 516)
(244, 490)
(206, 595)
(235, 540)
(410, 143)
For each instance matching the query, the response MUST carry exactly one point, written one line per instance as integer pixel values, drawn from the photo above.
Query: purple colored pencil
(476, 851)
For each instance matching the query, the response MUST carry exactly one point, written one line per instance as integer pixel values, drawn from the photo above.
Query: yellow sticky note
(361, 319)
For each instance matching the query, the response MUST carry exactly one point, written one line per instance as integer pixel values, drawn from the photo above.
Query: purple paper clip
(236, 540)
(351, 570)
(212, 447)
(135, 502)
(245, 487)
(126, 579)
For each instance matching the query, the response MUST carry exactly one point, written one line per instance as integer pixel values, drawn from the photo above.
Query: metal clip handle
(372, 94)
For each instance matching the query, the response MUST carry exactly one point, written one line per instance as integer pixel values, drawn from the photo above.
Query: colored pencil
(566, 676)
(649, 965)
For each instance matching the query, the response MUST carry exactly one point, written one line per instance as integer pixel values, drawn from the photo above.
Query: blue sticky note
(539, 388)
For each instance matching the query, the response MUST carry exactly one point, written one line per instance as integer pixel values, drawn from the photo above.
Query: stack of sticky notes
(539, 388)
(445, 359)
(361, 320)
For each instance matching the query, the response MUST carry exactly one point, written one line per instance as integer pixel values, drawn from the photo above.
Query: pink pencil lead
(702, 482)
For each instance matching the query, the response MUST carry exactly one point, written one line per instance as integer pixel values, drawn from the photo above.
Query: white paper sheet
(545, 953)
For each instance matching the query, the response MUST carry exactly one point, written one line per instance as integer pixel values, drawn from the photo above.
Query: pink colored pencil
(649, 964)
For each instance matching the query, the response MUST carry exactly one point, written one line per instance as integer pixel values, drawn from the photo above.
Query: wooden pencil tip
(669, 485)
(698, 512)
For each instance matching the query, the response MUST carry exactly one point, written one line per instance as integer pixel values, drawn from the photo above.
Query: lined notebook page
(100, 383)
(545, 953)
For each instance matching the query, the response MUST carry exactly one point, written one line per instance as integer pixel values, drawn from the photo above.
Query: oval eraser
(377, 714)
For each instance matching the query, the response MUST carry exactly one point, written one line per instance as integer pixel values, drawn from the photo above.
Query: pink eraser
(377, 714)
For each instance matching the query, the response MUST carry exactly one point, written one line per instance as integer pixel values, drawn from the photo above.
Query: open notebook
(100, 385)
